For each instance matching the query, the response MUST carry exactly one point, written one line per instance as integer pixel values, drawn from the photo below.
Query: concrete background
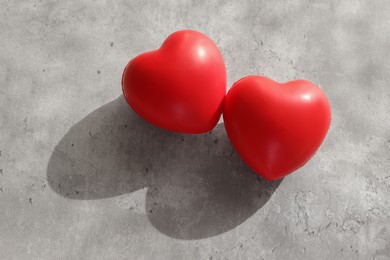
(82, 177)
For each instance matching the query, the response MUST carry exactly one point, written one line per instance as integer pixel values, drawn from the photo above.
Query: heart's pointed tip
(271, 177)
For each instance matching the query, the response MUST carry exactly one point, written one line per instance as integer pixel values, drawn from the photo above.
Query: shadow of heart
(197, 185)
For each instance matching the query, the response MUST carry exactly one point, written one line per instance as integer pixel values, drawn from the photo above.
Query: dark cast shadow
(197, 185)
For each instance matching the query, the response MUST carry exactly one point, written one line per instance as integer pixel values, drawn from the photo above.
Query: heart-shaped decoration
(180, 86)
(276, 128)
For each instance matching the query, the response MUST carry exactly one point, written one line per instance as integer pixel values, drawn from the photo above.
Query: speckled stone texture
(83, 177)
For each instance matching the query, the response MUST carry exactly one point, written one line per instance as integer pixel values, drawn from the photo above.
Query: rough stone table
(82, 177)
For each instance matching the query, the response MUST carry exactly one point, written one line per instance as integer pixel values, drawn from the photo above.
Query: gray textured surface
(82, 177)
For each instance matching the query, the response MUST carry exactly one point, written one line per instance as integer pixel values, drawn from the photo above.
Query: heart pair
(275, 128)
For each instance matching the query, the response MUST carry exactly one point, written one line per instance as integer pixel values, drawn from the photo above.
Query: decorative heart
(276, 128)
(179, 87)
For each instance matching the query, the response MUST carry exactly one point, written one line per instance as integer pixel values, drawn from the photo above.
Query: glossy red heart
(276, 128)
(179, 87)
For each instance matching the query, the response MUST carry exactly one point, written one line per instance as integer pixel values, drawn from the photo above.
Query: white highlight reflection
(201, 52)
(306, 97)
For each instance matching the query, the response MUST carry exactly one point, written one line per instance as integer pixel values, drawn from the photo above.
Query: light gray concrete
(82, 177)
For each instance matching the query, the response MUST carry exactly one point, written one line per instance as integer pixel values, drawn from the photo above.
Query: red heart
(179, 87)
(276, 128)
